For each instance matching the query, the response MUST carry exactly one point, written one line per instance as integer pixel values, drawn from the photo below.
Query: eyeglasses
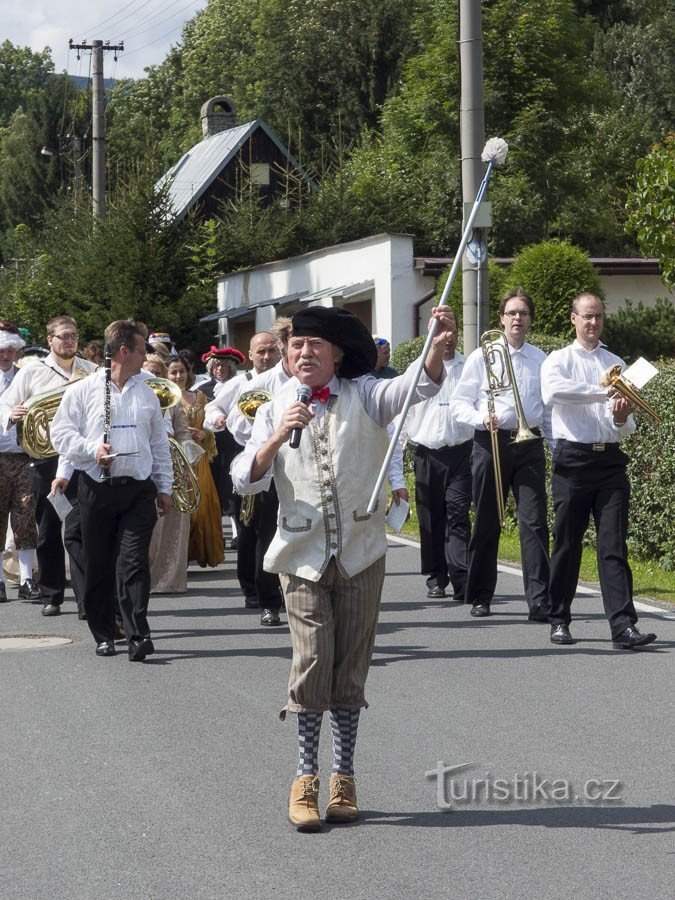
(512, 313)
(590, 317)
(67, 336)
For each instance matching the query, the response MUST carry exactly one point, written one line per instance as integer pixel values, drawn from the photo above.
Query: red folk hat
(226, 354)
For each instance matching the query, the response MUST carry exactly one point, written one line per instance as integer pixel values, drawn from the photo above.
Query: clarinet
(105, 470)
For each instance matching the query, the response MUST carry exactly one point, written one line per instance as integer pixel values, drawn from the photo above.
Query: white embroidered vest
(324, 487)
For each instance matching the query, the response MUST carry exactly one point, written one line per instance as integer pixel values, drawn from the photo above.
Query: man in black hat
(328, 550)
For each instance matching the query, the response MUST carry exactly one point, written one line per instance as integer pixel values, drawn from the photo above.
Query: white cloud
(147, 27)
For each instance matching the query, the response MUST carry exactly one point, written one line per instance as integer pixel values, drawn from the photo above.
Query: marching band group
(274, 449)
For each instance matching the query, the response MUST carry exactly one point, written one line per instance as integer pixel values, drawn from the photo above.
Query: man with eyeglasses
(56, 370)
(589, 475)
(523, 464)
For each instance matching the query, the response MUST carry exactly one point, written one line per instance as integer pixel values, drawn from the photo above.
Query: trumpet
(249, 403)
(501, 377)
(612, 378)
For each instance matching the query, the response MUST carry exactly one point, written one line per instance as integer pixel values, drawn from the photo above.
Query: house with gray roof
(228, 161)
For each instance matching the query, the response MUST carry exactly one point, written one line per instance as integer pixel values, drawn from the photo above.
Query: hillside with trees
(366, 95)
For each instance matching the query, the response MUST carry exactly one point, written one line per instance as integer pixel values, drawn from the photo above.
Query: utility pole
(475, 296)
(97, 119)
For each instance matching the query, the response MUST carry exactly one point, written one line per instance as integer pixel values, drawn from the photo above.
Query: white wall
(646, 288)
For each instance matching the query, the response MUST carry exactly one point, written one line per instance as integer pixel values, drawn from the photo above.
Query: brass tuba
(501, 377)
(612, 378)
(185, 490)
(32, 431)
(249, 403)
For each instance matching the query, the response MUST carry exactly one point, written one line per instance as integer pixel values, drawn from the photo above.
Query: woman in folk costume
(205, 545)
(325, 455)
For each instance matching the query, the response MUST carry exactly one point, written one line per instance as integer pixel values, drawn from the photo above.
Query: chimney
(218, 114)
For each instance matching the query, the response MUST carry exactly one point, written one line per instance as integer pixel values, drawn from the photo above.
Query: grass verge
(650, 581)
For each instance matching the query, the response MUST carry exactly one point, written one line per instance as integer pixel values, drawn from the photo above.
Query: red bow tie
(320, 394)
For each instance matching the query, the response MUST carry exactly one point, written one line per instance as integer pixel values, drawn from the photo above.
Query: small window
(260, 173)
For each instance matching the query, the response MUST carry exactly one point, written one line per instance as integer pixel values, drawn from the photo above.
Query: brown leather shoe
(342, 800)
(303, 805)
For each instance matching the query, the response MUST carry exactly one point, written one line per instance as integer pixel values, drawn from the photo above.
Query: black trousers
(227, 448)
(254, 539)
(443, 498)
(117, 523)
(586, 481)
(50, 544)
(523, 469)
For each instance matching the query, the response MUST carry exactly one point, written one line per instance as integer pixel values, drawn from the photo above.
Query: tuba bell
(32, 431)
(185, 488)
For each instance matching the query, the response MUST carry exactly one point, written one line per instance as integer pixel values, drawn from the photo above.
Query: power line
(156, 41)
(115, 15)
(133, 33)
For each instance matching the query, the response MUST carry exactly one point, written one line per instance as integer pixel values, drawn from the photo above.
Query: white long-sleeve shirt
(137, 426)
(470, 399)
(381, 398)
(581, 408)
(433, 423)
(8, 441)
(272, 380)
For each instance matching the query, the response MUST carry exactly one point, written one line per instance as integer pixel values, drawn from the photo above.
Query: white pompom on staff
(494, 154)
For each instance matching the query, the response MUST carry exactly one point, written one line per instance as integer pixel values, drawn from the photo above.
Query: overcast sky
(147, 28)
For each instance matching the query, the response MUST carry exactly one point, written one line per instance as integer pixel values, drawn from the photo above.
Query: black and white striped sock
(309, 729)
(344, 724)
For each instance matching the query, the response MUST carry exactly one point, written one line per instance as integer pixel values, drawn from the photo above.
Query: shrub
(553, 273)
(406, 352)
(640, 330)
(651, 531)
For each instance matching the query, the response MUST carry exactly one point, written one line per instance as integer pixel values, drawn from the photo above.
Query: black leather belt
(512, 435)
(118, 480)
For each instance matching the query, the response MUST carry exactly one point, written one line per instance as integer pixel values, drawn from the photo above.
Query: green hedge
(638, 330)
(553, 273)
(651, 449)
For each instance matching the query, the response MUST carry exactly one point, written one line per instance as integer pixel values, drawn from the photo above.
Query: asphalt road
(170, 778)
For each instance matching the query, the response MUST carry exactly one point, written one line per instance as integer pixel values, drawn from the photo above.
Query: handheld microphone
(302, 396)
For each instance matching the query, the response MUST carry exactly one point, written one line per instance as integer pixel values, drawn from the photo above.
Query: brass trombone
(501, 377)
(612, 378)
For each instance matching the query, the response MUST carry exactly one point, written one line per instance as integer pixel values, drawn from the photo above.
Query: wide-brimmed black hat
(342, 328)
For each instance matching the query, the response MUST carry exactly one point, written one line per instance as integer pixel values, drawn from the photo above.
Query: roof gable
(189, 179)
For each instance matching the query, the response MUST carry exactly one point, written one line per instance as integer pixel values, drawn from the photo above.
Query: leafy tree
(27, 179)
(651, 206)
(23, 75)
(553, 273)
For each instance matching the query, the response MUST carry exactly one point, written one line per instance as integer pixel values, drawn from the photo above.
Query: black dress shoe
(29, 590)
(537, 614)
(51, 609)
(106, 648)
(480, 610)
(436, 592)
(270, 617)
(560, 634)
(3, 592)
(139, 648)
(632, 638)
(251, 603)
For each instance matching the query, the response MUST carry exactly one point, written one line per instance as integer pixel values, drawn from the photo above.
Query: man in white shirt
(60, 368)
(16, 497)
(589, 475)
(442, 480)
(328, 550)
(124, 480)
(261, 589)
(523, 464)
